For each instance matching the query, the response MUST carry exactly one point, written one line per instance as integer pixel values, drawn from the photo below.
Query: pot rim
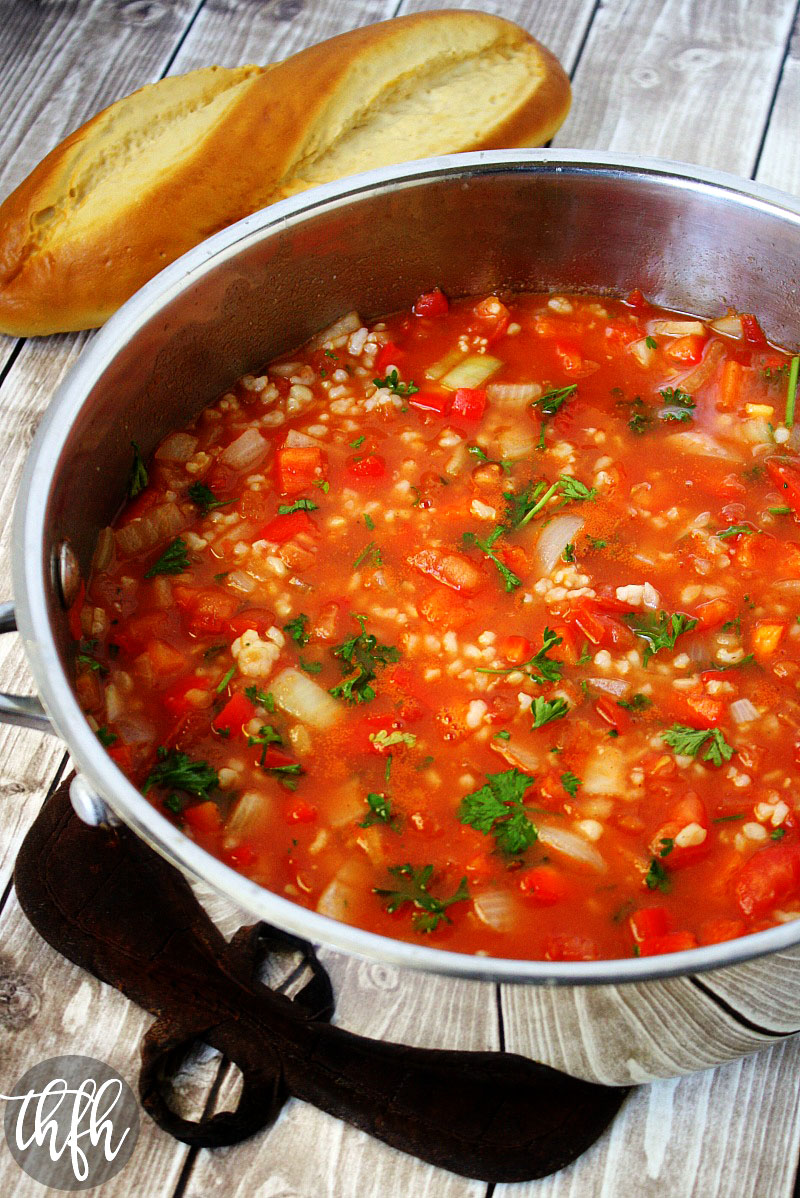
(30, 574)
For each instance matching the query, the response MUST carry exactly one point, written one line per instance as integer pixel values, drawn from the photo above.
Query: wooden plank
(252, 31)
(667, 78)
(64, 62)
(779, 165)
(309, 1154)
(560, 25)
(730, 1132)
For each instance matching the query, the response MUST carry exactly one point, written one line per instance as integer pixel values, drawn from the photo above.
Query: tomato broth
(477, 626)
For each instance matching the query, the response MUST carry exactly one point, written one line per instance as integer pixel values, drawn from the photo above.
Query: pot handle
(25, 711)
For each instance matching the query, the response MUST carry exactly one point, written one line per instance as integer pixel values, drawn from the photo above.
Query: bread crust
(78, 237)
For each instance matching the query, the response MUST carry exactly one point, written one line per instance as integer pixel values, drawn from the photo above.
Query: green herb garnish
(687, 742)
(372, 549)
(546, 710)
(267, 735)
(224, 681)
(362, 656)
(261, 698)
(174, 560)
(138, 478)
(297, 629)
(737, 530)
(299, 505)
(497, 809)
(106, 737)
(660, 631)
(393, 384)
(205, 499)
(487, 548)
(570, 782)
(413, 888)
(380, 812)
(657, 877)
(181, 771)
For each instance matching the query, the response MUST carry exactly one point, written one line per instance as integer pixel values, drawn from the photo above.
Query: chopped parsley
(287, 775)
(546, 710)
(523, 507)
(297, 629)
(261, 698)
(637, 702)
(393, 384)
(361, 656)
(791, 391)
(681, 399)
(660, 631)
(138, 478)
(310, 667)
(543, 668)
(777, 834)
(358, 441)
(106, 737)
(596, 542)
(178, 770)
(737, 530)
(568, 553)
(549, 403)
(487, 548)
(224, 681)
(412, 887)
(503, 734)
(687, 742)
(299, 505)
(205, 499)
(667, 845)
(174, 560)
(497, 809)
(265, 737)
(380, 812)
(570, 782)
(505, 464)
(385, 740)
(657, 877)
(323, 485)
(370, 549)
(651, 343)
(370, 523)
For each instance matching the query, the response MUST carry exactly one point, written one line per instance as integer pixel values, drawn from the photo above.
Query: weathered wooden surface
(716, 83)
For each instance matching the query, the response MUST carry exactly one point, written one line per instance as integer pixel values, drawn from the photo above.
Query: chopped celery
(473, 371)
(444, 364)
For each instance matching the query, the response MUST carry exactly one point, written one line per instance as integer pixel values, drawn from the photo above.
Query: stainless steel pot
(533, 220)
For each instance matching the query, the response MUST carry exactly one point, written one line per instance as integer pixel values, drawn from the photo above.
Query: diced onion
(730, 326)
(520, 755)
(115, 704)
(611, 686)
(104, 551)
(697, 442)
(241, 581)
(554, 539)
(641, 351)
(297, 440)
(177, 448)
(604, 772)
(693, 381)
(249, 814)
(513, 395)
(517, 442)
(337, 900)
(285, 370)
(160, 524)
(134, 730)
(496, 909)
(561, 840)
(305, 699)
(340, 328)
(473, 371)
(743, 712)
(346, 804)
(245, 451)
(677, 328)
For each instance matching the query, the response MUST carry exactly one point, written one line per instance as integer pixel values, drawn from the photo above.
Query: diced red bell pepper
(623, 332)
(388, 355)
(515, 650)
(614, 715)
(301, 812)
(234, 715)
(601, 628)
(135, 633)
(786, 476)
(689, 810)
(283, 528)
(241, 857)
(753, 333)
(697, 709)
(122, 755)
(636, 300)
(260, 619)
(649, 922)
(672, 942)
(371, 466)
(432, 401)
(298, 467)
(715, 931)
(174, 697)
(469, 403)
(544, 886)
(770, 877)
(431, 303)
(714, 612)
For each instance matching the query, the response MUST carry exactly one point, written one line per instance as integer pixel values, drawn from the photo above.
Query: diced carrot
(649, 922)
(164, 659)
(714, 612)
(203, 818)
(730, 386)
(205, 610)
(688, 350)
(767, 637)
(298, 467)
(672, 942)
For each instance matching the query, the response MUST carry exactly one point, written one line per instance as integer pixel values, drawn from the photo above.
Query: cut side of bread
(157, 172)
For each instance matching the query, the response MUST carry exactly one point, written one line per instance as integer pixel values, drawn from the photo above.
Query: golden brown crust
(73, 248)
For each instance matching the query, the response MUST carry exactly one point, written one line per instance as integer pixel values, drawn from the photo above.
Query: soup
(478, 625)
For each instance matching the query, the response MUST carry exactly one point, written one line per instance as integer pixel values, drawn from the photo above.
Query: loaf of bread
(157, 172)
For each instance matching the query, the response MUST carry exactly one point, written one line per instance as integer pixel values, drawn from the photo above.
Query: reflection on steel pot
(528, 220)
